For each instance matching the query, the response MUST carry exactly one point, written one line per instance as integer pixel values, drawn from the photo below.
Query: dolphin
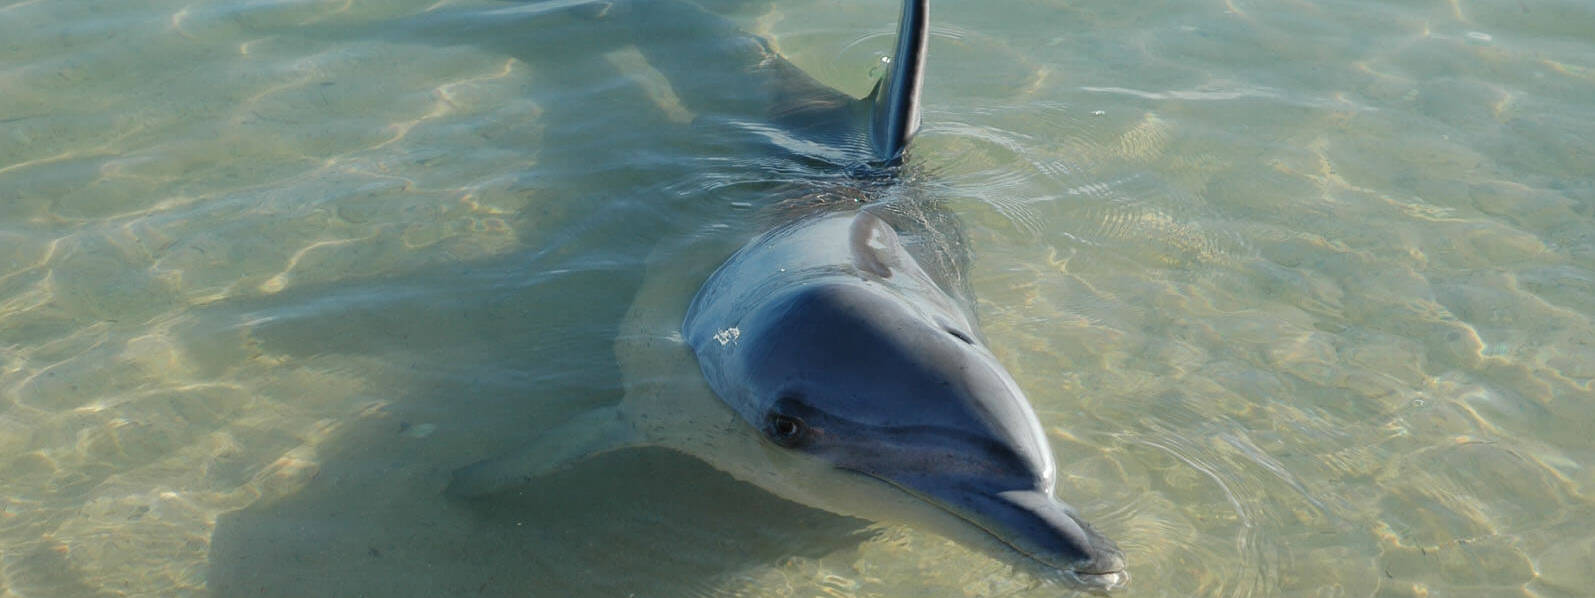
(835, 358)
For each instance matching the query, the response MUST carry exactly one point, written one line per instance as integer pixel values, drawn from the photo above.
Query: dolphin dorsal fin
(894, 112)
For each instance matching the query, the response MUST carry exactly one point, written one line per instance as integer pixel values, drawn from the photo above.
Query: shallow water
(1302, 291)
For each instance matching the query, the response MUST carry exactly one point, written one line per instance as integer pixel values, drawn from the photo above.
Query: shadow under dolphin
(488, 351)
(371, 522)
(842, 366)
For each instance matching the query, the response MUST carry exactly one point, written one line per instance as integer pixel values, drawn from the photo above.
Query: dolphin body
(833, 360)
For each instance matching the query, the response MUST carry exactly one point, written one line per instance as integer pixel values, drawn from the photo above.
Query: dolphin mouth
(1095, 576)
(1099, 582)
(1089, 577)
(1032, 524)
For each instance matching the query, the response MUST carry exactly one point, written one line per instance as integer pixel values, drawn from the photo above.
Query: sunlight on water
(1302, 292)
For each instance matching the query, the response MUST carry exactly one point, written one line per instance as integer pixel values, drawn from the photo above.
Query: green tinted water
(1303, 292)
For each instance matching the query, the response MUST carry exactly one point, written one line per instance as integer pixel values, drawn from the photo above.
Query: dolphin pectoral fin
(587, 435)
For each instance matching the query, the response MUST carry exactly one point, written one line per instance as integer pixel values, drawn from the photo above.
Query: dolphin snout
(1104, 572)
(1107, 561)
(1035, 523)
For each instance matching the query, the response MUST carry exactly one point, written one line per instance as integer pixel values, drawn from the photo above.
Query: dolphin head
(875, 383)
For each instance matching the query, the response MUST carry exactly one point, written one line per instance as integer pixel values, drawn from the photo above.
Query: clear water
(1303, 292)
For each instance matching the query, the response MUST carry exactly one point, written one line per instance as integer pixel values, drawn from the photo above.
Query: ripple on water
(1302, 295)
(1094, 178)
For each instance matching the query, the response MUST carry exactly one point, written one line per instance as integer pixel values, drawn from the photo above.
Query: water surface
(1303, 292)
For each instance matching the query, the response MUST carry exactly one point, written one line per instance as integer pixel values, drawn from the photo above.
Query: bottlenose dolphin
(834, 359)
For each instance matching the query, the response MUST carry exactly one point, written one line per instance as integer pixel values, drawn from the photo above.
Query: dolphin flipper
(587, 435)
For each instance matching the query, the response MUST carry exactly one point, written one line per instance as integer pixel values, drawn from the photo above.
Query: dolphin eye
(785, 430)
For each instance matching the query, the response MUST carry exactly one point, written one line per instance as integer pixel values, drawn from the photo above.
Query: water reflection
(1301, 292)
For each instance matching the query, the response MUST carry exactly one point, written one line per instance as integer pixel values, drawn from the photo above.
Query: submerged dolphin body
(834, 360)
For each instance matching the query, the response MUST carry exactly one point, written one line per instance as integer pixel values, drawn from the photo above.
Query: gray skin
(827, 337)
(839, 369)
